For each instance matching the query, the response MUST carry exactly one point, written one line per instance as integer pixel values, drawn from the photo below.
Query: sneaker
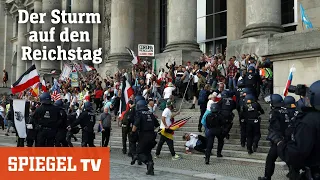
(176, 157)
(156, 156)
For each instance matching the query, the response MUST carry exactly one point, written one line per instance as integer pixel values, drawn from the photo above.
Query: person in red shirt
(98, 94)
(232, 74)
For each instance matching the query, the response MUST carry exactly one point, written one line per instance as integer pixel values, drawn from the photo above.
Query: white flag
(19, 112)
(65, 72)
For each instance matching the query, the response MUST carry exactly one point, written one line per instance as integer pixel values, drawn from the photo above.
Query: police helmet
(138, 98)
(300, 105)
(241, 83)
(224, 94)
(215, 107)
(45, 98)
(251, 69)
(276, 100)
(250, 98)
(289, 102)
(141, 105)
(58, 103)
(87, 106)
(314, 95)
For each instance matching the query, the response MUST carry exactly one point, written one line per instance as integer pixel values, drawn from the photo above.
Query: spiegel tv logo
(55, 163)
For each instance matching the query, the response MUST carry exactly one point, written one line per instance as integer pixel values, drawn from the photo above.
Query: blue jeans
(232, 83)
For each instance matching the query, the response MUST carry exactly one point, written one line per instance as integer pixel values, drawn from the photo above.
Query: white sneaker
(176, 157)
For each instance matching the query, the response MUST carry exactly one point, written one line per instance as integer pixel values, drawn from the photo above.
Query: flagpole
(185, 92)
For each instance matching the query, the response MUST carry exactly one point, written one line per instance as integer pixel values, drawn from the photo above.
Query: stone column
(122, 32)
(48, 65)
(7, 46)
(262, 17)
(22, 41)
(37, 5)
(236, 19)
(83, 6)
(182, 25)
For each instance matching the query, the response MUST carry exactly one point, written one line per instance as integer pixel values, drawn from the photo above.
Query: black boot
(250, 151)
(134, 159)
(139, 162)
(207, 159)
(150, 169)
(199, 129)
(243, 144)
(255, 147)
(219, 155)
(193, 106)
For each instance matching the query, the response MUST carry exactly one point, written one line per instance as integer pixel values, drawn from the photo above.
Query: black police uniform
(251, 113)
(61, 137)
(87, 120)
(146, 122)
(242, 122)
(279, 122)
(47, 117)
(71, 117)
(214, 123)
(302, 150)
(126, 125)
(227, 106)
(251, 81)
(32, 133)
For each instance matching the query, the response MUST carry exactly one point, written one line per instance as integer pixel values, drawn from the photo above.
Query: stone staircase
(232, 151)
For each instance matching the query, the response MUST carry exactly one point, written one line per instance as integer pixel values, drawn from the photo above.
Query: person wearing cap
(166, 121)
(167, 92)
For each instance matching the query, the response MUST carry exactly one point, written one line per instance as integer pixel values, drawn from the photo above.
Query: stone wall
(312, 9)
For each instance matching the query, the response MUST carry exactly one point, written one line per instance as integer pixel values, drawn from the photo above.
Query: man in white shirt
(196, 142)
(165, 124)
(167, 92)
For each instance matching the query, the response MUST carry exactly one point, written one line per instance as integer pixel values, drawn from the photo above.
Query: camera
(300, 89)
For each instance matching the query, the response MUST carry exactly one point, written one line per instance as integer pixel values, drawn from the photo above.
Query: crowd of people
(216, 84)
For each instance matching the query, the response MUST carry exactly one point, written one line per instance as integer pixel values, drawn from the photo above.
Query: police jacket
(214, 121)
(304, 147)
(145, 121)
(63, 119)
(71, 118)
(278, 124)
(47, 115)
(87, 120)
(251, 80)
(252, 111)
(227, 104)
(238, 94)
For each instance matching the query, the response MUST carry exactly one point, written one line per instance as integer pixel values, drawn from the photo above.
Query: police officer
(61, 137)
(47, 117)
(251, 112)
(241, 92)
(302, 150)
(87, 120)
(32, 129)
(214, 121)
(126, 125)
(145, 123)
(277, 127)
(227, 105)
(72, 117)
(251, 80)
(133, 140)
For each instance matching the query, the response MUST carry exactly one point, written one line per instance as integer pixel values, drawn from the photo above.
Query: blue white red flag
(289, 81)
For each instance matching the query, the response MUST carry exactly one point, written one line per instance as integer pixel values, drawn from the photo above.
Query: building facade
(180, 30)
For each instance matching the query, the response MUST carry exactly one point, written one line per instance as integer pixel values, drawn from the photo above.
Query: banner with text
(146, 50)
(74, 79)
(55, 163)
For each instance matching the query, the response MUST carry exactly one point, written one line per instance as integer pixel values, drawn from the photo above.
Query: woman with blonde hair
(212, 99)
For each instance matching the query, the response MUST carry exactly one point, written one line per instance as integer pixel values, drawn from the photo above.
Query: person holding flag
(166, 122)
